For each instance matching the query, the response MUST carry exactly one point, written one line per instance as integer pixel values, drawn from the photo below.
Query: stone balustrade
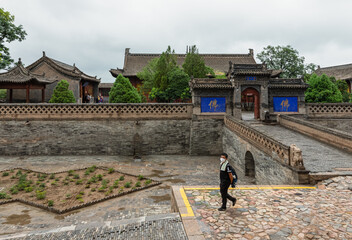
(288, 155)
(95, 111)
(329, 110)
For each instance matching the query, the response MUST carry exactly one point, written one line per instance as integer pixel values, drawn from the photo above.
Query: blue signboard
(285, 104)
(251, 78)
(213, 104)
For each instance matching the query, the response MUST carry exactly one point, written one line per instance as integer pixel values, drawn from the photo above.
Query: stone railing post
(296, 159)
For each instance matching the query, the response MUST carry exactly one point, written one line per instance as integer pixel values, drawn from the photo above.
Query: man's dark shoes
(234, 202)
(222, 209)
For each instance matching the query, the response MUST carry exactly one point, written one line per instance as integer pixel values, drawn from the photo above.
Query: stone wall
(329, 110)
(339, 124)
(111, 137)
(267, 170)
(206, 137)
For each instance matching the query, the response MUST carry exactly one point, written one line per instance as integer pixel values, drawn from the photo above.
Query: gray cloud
(93, 34)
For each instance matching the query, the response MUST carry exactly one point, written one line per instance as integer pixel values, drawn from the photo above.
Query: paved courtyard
(269, 212)
(170, 170)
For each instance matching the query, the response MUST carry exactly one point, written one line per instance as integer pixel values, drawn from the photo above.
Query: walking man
(226, 180)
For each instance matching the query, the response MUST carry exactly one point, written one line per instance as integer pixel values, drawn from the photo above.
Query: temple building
(20, 79)
(135, 62)
(340, 72)
(249, 88)
(49, 71)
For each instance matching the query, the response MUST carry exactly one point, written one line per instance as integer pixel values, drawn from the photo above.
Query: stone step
(162, 226)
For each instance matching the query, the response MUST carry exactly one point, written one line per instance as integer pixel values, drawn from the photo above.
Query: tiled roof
(287, 83)
(63, 68)
(134, 63)
(210, 83)
(20, 74)
(249, 69)
(341, 72)
(105, 85)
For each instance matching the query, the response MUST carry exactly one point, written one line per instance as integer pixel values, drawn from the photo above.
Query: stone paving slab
(291, 213)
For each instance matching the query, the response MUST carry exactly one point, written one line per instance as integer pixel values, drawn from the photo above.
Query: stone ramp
(317, 156)
(164, 226)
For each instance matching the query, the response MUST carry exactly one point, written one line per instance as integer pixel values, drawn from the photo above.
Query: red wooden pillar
(43, 94)
(256, 106)
(27, 93)
(11, 93)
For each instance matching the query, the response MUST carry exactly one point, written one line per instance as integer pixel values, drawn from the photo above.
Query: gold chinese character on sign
(284, 105)
(213, 104)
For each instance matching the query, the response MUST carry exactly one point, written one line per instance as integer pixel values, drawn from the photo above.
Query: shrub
(19, 173)
(57, 179)
(62, 94)
(80, 200)
(14, 190)
(147, 182)
(42, 185)
(28, 189)
(140, 177)
(71, 172)
(76, 176)
(100, 177)
(101, 189)
(50, 203)
(78, 196)
(5, 174)
(87, 172)
(111, 170)
(93, 189)
(3, 195)
(53, 183)
(116, 184)
(123, 92)
(40, 194)
(138, 184)
(122, 178)
(127, 185)
(68, 196)
(52, 176)
(78, 182)
(87, 186)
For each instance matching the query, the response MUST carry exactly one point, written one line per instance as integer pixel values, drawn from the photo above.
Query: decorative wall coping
(47, 111)
(287, 155)
(329, 110)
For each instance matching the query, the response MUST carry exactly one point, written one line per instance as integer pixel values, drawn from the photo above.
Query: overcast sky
(94, 33)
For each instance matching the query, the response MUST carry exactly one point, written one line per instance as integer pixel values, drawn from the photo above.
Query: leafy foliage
(287, 59)
(343, 87)
(148, 75)
(62, 94)
(194, 64)
(322, 90)
(123, 92)
(164, 80)
(9, 32)
(3, 93)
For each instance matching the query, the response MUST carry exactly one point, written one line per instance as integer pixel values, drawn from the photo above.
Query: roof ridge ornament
(19, 61)
(44, 54)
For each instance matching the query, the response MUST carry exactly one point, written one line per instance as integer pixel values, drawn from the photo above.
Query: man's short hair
(224, 154)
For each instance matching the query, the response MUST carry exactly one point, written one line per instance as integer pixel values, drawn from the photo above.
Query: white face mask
(222, 159)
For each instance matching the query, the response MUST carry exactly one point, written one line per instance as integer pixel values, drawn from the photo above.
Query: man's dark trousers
(224, 186)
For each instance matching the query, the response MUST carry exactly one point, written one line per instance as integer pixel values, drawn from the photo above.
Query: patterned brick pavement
(274, 213)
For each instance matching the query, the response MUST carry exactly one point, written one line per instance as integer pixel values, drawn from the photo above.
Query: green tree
(165, 64)
(287, 59)
(9, 32)
(194, 64)
(147, 75)
(322, 90)
(343, 87)
(123, 91)
(62, 94)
